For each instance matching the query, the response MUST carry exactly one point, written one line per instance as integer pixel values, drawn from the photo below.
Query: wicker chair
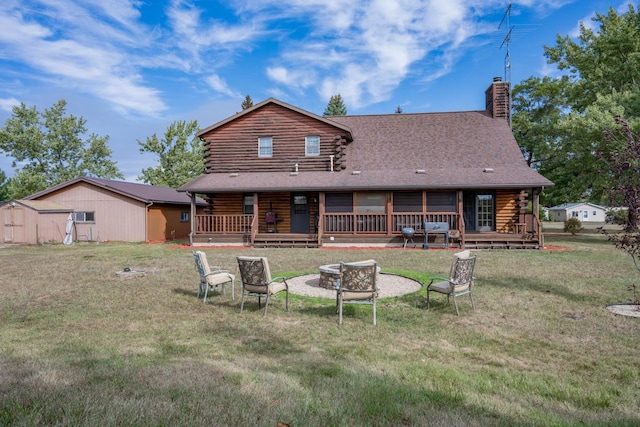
(358, 284)
(460, 281)
(257, 281)
(212, 277)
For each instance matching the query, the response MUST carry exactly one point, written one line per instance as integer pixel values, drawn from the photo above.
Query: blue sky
(131, 67)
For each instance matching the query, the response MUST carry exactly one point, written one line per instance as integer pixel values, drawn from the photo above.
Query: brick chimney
(498, 100)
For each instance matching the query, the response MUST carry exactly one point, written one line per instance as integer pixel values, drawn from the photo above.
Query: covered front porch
(313, 219)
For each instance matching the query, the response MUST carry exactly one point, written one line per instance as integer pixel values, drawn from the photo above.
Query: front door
(479, 211)
(485, 217)
(300, 213)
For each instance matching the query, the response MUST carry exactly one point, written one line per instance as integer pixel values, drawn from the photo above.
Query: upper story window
(84, 217)
(265, 146)
(312, 145)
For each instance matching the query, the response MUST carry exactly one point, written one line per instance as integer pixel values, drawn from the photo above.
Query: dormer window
(265, 146)
(312, 145)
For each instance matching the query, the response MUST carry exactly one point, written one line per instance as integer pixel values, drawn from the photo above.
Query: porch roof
(407, 179)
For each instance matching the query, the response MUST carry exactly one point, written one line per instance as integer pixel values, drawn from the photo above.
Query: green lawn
(81, 347)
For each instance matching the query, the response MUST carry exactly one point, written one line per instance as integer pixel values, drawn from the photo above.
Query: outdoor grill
(407, 234)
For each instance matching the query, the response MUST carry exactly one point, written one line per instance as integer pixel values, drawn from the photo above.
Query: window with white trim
(80, 217)
(312, 145)
(265, 146)
(184, 216)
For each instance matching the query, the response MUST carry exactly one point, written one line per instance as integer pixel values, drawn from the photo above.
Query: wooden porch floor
(473, 240)
(487, 240)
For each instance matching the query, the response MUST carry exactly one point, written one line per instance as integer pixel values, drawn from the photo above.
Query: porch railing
(355, 223)
(348, 223)
(417, 220)
(223, 224)
(376, 223)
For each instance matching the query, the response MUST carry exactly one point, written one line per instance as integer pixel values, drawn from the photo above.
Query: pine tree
(247, 103)
(335, 107)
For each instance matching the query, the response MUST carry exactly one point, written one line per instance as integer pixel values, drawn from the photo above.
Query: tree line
(560, 124)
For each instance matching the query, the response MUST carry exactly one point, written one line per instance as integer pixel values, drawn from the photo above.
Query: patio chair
(358, 284)
(212, 277)
(460, 281)
(257, 281)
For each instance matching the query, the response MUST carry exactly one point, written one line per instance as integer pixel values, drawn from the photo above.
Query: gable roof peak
(282, 104)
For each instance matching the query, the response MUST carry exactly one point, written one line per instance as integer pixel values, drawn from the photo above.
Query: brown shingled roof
(44, 205)
(453, 150)
(142, 192)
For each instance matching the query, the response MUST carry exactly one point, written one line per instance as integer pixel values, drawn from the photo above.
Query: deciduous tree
(622, 156)
(179, 155)
(4, 190)
(48, 148)
(560, 122)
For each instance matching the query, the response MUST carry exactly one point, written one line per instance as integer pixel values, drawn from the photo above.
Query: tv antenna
(506, 42)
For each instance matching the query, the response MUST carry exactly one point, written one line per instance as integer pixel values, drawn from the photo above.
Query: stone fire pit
(330, 274)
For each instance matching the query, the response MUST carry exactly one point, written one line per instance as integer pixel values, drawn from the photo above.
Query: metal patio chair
(460, 281)
(257, 281)
(212, 277)
(358, 284)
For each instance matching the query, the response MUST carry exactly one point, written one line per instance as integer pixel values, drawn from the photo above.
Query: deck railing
(417, 220)
(223, 224)
(376, 223)
(353, 223)
(348, 223)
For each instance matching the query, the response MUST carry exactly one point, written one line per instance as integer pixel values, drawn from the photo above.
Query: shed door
(8, 225)
(300, 213)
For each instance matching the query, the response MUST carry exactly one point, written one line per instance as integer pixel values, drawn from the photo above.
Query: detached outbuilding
(33, 221)
(108, 210)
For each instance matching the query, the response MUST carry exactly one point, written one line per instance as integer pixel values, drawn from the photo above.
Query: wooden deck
(501, 241)
(285, 240)
(484, 240)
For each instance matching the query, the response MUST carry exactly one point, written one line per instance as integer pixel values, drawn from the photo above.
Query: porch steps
(501, 241)
(285, 240)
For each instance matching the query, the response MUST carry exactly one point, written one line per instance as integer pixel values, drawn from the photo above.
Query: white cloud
(298, 78)
(363, 49)
(368, 58)
(218, 84)
(197, 36)
(100, 68)
(7, 104)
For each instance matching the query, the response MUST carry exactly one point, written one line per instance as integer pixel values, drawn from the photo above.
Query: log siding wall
(233, 147)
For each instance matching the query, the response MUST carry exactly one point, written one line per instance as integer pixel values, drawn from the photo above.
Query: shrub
(619, 217)
(573, 226)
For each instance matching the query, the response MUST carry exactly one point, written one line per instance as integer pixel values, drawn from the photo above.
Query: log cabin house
(361, 180)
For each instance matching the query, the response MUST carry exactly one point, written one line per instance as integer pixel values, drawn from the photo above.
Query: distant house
(584, 211)
(33, 221)
(107, 210)
(277, 175)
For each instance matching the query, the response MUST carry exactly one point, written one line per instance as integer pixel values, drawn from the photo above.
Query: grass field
(82, 347)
